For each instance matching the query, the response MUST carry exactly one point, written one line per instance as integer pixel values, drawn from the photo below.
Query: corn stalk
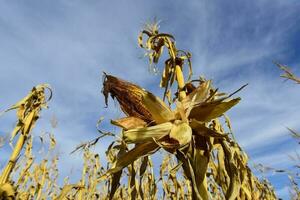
(28, 110)
(28, 113)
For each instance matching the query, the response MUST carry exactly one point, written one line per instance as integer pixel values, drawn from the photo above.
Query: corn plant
(200, 157)
(210, 158)
(28, 110)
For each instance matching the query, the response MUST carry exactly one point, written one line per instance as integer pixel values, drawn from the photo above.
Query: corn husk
(148, 133)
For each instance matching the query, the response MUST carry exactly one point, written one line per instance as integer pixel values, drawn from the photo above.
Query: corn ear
(128, 95)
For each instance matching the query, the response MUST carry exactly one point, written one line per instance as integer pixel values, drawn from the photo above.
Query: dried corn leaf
(115, 180)
(52, 141)
(233, 172)
(129, 123)
(200, 129)
(189, 173)
(139, 151)
(199, 160)
(143, 168)
(66, 189)
(207, 111)
(36, 96)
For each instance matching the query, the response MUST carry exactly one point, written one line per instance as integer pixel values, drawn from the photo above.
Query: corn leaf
(139, 151)
(210, 110)
(200, 129)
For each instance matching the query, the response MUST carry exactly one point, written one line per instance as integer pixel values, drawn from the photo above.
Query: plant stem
(181, 83)
(13, 159)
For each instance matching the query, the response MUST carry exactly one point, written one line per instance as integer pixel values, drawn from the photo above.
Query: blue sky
(69, 43)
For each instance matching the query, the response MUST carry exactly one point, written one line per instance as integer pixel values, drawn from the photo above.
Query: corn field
(201, 158)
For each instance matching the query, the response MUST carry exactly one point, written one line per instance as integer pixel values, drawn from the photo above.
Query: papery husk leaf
(148, 133)
(128, 95)
(181, 132)
(197, 96)
(180, 112)
(129, 123)
(159, 110)
(205, 112)
(139, 151)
